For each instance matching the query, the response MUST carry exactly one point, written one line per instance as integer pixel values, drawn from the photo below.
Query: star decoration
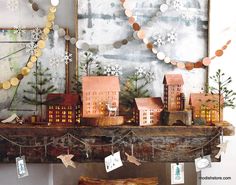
(30, 47)
(172, 37)
(66, 160)
(36, 34)
(112, 70)
(159, 40)
(12, 5)
(133, 159)
(19, 30)
(222, 147)
(67, 58)
(107, 70)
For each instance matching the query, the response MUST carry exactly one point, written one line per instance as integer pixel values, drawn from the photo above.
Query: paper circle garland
(55, 2)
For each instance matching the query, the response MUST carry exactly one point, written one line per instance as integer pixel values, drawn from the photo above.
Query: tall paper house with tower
(174, 101)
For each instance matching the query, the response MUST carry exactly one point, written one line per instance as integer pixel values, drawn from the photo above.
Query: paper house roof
(173, 79)
(149, 103)
(63, 99)
(199, 99)
(100, 83)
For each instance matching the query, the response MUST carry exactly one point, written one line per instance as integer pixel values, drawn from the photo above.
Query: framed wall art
(16, 50)
(177, 28)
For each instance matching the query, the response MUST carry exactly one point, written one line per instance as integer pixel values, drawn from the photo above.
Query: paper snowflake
(36, 34)
(140, 71)
(116, 70)
(188, 15)
(30, 47)
(67, 58)
(172, 37)
(177, 4)
(12, 5)
(159, 40)
(54, 61)
(150, 76)
(19, 30)
(107, 70)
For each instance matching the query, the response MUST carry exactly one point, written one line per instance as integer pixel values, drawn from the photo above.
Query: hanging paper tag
(177, 173)
(21, 167)
(202, 163)
(113, 162)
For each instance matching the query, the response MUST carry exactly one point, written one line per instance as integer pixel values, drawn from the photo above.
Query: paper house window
(173, 84)
(205, 106)
(97, 92)
(148, 111)
(63, 108)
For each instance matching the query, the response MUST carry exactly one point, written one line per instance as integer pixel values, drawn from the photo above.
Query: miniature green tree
(226, 97)
(136, 86)
(41, 87)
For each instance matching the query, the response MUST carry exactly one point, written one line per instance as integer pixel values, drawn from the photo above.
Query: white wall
(223, 28)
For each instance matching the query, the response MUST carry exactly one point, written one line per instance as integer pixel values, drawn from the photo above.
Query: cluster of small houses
(99, 91)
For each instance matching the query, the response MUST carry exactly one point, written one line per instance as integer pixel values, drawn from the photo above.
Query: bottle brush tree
(42, 86)
(220, 86)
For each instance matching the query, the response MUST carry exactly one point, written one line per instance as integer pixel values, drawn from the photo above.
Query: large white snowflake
(140, 71)
(30, 47)
(36, 34)
(159, 40)
(67, 58)
(172, 37)
(107, 70)
(19, 30)
(12, 5)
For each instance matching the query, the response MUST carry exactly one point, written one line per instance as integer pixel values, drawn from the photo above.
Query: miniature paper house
(63, 108)
(205, 106)
(98, 91)
(148, 111)
(173, 87)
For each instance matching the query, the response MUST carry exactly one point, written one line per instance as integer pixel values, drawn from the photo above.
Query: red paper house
(98, 91)
(148, 111)
(173, 87)
(63, 108)
(205, 106)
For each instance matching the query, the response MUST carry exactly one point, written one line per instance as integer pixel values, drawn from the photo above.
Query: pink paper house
(148, 111)
(173, 87)
(97, 92)
(205, 106)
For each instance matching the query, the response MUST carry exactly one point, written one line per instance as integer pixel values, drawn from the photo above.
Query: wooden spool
(103, 121)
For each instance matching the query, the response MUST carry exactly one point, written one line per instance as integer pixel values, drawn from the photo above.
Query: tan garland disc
(37, 52)
(51, 17)
(46, 31)
(1, 85)
(30, 65)
(33, 58)
(41, 44)
(25, 71)
(48, 25)
(44, 36)
(14, 81)
(6, 85)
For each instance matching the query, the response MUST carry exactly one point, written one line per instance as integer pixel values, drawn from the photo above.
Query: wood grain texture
(134, 181)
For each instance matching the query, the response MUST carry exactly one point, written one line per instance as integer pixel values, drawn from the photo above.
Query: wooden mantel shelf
(173, 138)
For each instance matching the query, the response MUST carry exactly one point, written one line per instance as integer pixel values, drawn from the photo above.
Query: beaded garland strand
(14, 81)
(160, 55)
